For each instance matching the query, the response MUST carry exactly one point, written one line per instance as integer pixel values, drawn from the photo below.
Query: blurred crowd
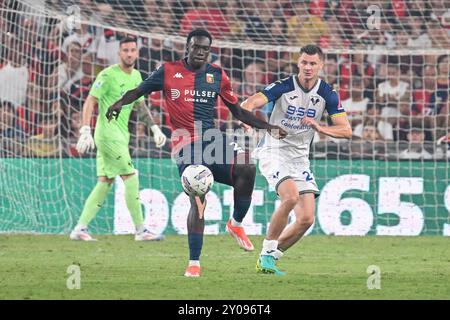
(398, 104)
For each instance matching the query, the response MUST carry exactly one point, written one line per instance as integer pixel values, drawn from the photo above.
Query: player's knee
(306, 220)
(291, 200)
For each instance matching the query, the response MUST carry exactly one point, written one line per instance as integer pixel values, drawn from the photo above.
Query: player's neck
(126, 69)
(191, 67)
(307, 85)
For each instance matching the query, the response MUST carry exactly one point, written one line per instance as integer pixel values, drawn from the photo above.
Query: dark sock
(195, 245)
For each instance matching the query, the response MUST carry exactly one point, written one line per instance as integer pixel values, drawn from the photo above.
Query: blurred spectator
(288, 70)
(45, 144)
(278, 30)
(370, 145)
(14, 74)
(231, 61)
(356, 105)
(259, 20)
(153, 54)
(443, 144)
(373, 118)
(253, 81)
(79, 90)
(305, 28)
(335, 37)
(415, 149)
(70, 71)
(439, 36)
(206, 15)
(419, 36)
(234, 15)
(108, 47)
(439, 99)
(421, 96)
(401, 37)
(331, 70)
(29, 113)
(12, 137)
(82, 36)
(393, 91)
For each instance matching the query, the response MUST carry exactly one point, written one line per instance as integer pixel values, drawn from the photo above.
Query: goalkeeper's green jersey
(111, 84)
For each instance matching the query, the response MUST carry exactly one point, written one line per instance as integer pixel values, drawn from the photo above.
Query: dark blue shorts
(218, 155)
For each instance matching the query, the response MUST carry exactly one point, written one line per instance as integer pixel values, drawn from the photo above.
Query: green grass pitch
(319, 267)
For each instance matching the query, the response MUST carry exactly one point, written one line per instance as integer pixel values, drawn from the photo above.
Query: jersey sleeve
(333, 104)
(226, 91)
(100, 86)
(274, 90)
(154, 82)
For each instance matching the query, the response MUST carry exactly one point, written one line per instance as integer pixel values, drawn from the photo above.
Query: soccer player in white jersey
(299, 102)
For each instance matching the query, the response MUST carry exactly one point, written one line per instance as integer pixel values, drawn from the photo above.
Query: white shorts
(276, 171)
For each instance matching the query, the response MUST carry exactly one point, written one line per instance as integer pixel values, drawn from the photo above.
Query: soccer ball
(197, 180)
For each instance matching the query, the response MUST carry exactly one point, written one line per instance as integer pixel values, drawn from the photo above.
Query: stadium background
(389, 61)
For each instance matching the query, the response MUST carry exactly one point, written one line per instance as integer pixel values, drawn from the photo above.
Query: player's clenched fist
(85, 142)
(113, 111)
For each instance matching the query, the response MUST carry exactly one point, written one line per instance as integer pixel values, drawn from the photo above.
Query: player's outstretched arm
(339, 129)
(249, 118)
(86, 141)
(129, 97)
(255, 101)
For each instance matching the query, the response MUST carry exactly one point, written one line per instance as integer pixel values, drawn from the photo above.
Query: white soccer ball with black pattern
(197, 180)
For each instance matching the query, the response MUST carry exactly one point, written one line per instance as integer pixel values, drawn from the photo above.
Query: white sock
(278, 254)
(140, 229)
(269, 247)
(194, 263)
(234, 223)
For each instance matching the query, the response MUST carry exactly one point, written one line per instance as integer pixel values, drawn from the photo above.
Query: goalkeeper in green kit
(111, 140)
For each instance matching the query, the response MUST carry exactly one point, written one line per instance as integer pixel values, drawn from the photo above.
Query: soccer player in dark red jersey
(191, 88)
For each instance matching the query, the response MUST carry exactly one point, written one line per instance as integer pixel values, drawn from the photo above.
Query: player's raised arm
(86, 141)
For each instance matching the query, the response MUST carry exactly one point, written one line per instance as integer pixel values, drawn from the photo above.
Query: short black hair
(127, 40)
(441, 58)
(312, 49)
(198, 33)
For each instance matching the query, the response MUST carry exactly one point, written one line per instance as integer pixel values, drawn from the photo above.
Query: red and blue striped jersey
(190, 96)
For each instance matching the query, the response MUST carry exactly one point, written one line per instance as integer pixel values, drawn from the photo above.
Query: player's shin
(196, 227)
(94, 202)
(132, 200)
(244, 180)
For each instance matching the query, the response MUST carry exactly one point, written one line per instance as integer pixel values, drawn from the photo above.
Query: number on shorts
(308, 176)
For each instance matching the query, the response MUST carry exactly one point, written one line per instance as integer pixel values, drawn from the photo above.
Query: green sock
(132, 200)
(94, 202)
